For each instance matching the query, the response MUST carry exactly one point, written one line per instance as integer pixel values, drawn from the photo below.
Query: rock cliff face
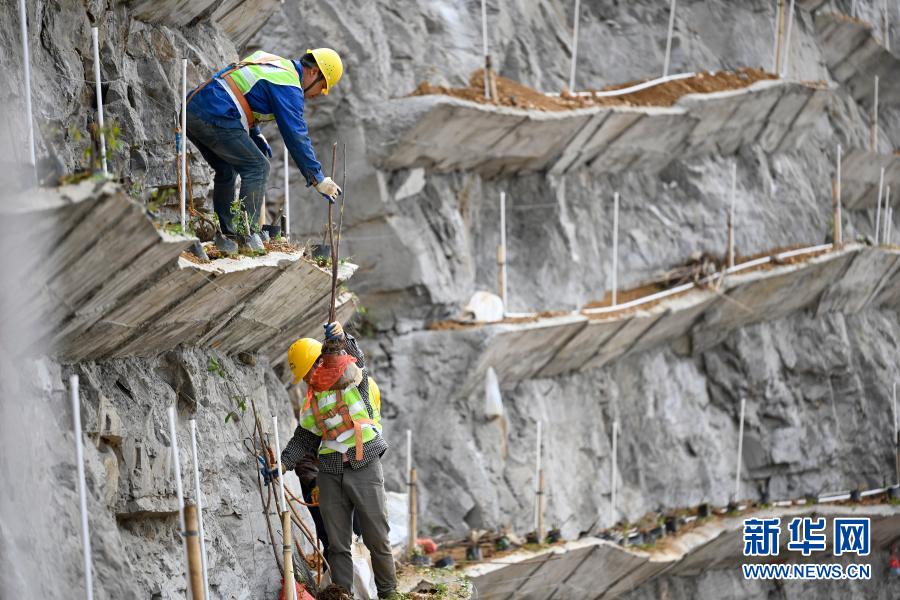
(817, 387)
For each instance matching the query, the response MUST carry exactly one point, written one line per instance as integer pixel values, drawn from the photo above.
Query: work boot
(225, 245)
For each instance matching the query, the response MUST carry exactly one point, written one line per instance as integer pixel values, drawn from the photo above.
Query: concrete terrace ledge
(448, 134)
(111, 285)
(861, 172)
(855, 56)
(691, 317)
(596, 569)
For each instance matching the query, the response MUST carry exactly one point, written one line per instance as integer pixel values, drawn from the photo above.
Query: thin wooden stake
(615, 249)
(669, 35)
(888, 215)
(82, 492)
(192, 541)
(740, 452)
(96, 39)
(413, 513)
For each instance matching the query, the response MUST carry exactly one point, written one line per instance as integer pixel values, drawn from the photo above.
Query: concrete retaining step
(860, 176)
(855, 56)
(111, 285)
(691, 317)
(448, 134)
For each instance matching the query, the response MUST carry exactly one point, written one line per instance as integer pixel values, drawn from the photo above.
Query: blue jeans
(231, 152)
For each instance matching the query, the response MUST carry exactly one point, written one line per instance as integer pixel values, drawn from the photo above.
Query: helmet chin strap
(310, 86)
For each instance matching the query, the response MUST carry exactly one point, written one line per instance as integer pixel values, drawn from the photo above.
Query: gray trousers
(361, 490)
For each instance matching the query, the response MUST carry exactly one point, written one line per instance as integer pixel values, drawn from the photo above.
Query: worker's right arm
(303, 442)
(287, 106)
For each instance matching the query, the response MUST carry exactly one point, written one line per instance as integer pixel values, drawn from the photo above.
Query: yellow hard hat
(330, 66)
(302, 355)
(374, 395)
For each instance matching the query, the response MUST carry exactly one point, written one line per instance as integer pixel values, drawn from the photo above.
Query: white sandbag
(484, 307)
(493, 401)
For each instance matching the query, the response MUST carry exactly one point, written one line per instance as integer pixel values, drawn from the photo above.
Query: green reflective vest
(341, 422)
(262, 65)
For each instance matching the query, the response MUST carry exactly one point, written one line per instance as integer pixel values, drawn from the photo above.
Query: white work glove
(328, 188)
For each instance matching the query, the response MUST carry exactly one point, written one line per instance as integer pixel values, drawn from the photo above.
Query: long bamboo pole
(198, 498)
(873, 135)
(195, 562)
(287, 197)
(501, 252)
(487, 56)
(731, 215)
(537, 477)
(838, 235)
(612, 472)
(786, 58)
(878, 207)
(779, 34)
(413, 513)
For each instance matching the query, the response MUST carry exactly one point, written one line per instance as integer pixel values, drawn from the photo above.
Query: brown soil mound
(517, 95)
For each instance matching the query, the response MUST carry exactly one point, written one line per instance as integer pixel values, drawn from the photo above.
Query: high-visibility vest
(240, 78)
(338, 416)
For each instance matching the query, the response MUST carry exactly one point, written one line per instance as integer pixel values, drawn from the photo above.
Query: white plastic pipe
(838, 213)
(878, 207)
(198, 495)
(503, 288)
(775, 45)
(179, 491)
(887, 214)
(615, 249)
(287, 197)
(887, 27)
(785, 56)
(875, 119)
(612, 473)
(537, 475)
(96, 38)
(731, 213)
(82, 493)
(282, 504)
(740, 451)
(183, 148)
(669, 38)
(576, 19)
(487, 91)
(630, 89)
(23, 23)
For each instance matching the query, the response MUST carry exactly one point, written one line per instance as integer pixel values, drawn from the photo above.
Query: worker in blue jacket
(223, 123)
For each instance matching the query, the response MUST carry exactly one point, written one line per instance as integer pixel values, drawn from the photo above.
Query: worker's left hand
(314, 495)
(268, 474)
(260, 140)
(334, 331)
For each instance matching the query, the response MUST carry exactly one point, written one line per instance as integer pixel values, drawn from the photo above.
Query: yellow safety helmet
(330, 66)
(374, 395)
(302, 355)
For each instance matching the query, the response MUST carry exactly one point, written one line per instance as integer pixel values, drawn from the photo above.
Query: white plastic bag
(485, 307)
(363, 577)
